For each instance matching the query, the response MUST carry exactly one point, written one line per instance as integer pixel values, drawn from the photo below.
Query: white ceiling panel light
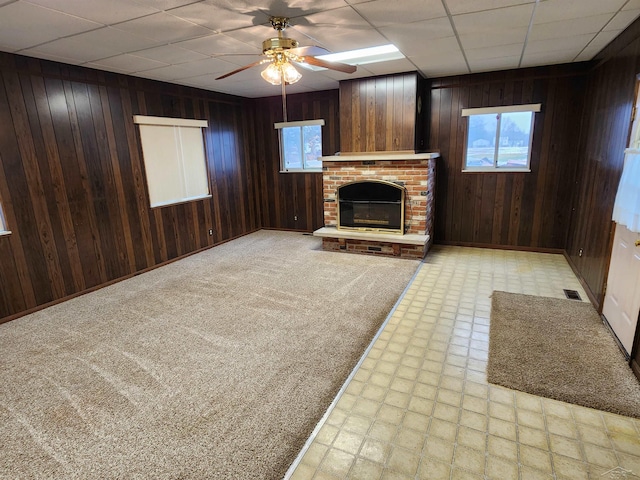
(363, 56)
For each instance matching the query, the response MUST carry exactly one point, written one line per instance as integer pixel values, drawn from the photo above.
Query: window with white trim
(300, 145)
(499, 138)
(174, 159)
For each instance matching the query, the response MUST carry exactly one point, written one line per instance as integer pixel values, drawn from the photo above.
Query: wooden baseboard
(501, 247)
(297, 230)
(116, 280)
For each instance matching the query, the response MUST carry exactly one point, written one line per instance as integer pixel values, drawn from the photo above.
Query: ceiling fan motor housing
(278, 44)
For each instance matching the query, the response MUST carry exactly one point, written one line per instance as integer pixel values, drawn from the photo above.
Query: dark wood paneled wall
(529, 210)
(379, 114)
(606, 124)
(72, 179)
(285, 196)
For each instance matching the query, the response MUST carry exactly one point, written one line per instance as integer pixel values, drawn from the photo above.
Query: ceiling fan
(281, 52)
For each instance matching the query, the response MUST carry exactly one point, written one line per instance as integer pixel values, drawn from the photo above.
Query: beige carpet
(559, 349)
(214, 367)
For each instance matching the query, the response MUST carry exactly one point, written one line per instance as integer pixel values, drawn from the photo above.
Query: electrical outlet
(210, 231)
(580, 252)
(295, 217)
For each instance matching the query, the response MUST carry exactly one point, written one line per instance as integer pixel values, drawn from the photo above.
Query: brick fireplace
(414, 172)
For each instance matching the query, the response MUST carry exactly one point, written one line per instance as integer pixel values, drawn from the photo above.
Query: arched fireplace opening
(371, 205)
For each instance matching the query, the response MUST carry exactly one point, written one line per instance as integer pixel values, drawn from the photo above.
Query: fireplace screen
(372, 205)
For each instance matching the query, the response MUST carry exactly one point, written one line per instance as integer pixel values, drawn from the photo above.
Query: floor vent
(572, 294)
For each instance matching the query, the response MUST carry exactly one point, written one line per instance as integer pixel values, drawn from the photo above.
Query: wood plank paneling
(285, 196)
(606, 123)
(379, 114)
(508, 209)
(72, 181)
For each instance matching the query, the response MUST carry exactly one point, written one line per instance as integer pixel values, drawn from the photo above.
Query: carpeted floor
(217, 366)
(559, 349)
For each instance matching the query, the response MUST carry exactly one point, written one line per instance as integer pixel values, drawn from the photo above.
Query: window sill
(497, 170)
(181, 201)
(302, 170)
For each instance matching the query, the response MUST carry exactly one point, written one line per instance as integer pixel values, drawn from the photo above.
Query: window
(499, 138)
(3, 224)
(174, 159)
(300, 146)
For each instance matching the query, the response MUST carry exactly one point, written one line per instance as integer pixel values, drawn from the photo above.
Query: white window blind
(174, 159)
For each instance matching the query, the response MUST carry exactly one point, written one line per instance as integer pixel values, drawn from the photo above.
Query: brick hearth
(416, 172)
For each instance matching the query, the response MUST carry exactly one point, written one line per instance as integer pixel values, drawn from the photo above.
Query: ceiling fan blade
(310, 50)
(238, 70)
(341, 67)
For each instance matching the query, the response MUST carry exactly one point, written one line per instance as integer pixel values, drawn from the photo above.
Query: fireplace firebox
(371, 205)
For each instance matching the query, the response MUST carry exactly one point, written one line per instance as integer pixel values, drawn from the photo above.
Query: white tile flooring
(420, 407)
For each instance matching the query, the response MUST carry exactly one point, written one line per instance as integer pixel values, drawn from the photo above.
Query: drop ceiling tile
(622, 19)
(568, 28)
(342, 39)
(172, 72)
(496, 63)
(441, 64)
(456, 7)
(557, 10)
(170, 54)
(99, 11)
(53, 58)
(241, 60)
(505, 36)
(126, 63)
(219, 17)
(218, 44)
(338, 30)
(548, 58)
(588, 54)
(255, 35)
(23, 25)
(494, 20)
(207, 66)
(393, 66)
(164, 27)
(480, 54)
(97, 44)
(379, 14)
(165, 4)
(604, 38)
(575, 43)
(632, 5)
(416, 38)
(74, 48)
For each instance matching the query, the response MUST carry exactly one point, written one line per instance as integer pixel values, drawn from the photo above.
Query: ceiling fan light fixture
(272, 74)
(290, 74)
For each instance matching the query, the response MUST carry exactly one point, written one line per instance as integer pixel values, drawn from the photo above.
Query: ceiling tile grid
(192, 41)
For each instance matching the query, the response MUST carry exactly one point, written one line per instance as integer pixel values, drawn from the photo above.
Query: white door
(622, 299)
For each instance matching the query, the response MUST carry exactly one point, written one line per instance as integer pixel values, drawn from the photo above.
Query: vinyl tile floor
(419, 405)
